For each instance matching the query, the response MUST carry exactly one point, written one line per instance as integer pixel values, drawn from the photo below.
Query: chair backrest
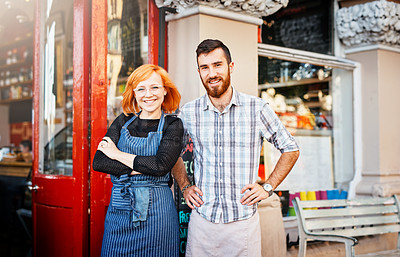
(357, 217)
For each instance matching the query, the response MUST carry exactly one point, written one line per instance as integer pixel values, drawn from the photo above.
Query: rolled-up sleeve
(273, 130)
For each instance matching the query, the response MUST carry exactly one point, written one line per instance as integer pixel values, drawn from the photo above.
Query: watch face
(267, 187)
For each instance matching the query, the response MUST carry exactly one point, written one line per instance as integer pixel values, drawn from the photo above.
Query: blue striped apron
(141, 219)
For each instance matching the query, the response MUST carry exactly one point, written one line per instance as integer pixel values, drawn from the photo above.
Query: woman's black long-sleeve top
(158, 165)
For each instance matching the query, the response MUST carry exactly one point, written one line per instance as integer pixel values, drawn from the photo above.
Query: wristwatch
(267, 187)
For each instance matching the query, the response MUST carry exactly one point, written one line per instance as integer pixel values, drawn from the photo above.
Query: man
(227, 128)
(26, 150)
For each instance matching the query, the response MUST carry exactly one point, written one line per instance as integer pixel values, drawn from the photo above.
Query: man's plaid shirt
(227, 149)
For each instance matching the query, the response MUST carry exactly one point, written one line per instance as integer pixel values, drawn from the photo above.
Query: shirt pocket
(244, 132)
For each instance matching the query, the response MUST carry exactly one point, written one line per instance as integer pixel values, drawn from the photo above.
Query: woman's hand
(135, 173)
(108, 147)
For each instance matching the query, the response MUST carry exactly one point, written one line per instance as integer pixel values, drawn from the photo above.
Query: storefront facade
(84, 51)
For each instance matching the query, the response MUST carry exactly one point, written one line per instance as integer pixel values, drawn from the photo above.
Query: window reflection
(57, 113)
(300, 93)
(127, 47)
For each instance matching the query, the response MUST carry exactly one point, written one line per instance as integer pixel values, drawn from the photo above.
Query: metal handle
(34, 188)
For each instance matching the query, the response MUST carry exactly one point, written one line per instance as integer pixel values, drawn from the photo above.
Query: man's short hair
(209, 45)
(27, 143)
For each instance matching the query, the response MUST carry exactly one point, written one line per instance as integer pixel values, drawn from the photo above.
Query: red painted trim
(98, 121)
(166, 47)
(36, 108)
(153, 32)
(80, 149)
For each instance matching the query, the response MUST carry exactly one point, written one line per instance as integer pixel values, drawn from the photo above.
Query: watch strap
(185, 187)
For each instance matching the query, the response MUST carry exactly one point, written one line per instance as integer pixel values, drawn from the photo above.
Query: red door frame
(65, 191)
(100, 184)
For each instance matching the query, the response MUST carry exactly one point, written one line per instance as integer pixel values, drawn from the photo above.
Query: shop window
(315, 103)
(56, 92)
(127, 47)
(303, 24)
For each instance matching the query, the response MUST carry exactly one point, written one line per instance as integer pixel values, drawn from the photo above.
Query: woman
(139, 150)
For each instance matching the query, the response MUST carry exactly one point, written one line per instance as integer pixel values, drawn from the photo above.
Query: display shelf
(7, 101)
(291, 83)
(16, 43)
(14, 66)
(24, 83)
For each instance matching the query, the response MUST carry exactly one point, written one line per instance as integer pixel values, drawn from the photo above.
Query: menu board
(314, 168)
(184, 211)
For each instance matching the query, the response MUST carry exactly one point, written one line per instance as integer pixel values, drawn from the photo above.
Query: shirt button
(220, 148)
(221, 196)
(220, 180)
(220, 164)
(220, 131)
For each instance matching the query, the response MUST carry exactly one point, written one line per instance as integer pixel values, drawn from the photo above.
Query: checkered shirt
(227, 149)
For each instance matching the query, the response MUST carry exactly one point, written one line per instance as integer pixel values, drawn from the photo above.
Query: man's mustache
(218, 77)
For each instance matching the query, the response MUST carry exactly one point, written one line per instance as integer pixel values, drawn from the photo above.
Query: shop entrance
(83, 54)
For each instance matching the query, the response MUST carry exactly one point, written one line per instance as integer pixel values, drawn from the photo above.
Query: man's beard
(217, 92)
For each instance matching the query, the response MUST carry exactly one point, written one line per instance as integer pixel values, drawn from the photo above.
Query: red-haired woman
(139, 150)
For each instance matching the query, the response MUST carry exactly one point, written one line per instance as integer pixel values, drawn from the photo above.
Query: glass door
(59, 181)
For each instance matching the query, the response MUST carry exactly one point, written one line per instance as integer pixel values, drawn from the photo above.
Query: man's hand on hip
(192, 196)
(254, 194)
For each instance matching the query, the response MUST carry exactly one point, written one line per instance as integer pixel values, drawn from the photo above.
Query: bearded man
(227, 128)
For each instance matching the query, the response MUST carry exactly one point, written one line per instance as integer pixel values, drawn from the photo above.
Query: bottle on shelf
(14, 55)
(14, 77)
(9, 57)
(30, 73)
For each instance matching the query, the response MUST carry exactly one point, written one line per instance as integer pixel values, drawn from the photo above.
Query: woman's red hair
(171, 99)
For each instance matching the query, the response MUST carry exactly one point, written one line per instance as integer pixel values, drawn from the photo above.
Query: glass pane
(315, 104)
(127, 47)
(57, 112)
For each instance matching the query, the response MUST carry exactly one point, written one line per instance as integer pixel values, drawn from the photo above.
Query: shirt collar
(235, 100)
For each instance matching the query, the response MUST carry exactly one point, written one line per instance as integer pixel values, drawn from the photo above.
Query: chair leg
(302, 247)
(26, 213)
(349, 250)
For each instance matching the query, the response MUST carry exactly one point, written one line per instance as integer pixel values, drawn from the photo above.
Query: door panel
(53, 191)
(54, 231)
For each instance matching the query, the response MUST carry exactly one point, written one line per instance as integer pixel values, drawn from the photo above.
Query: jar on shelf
(7, 78)
(26, 92)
